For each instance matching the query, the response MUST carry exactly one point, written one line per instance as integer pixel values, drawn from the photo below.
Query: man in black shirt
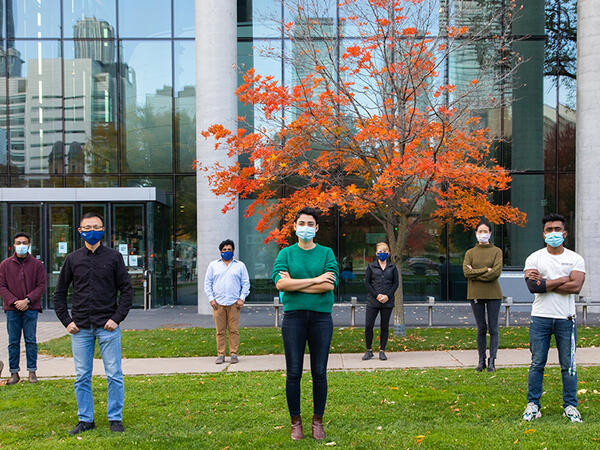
(97, 272)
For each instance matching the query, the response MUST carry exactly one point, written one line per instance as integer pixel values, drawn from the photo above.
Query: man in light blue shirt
(227, 285)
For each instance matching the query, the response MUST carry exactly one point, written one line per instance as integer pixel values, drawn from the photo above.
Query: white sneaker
(532, 411)
(572, 413)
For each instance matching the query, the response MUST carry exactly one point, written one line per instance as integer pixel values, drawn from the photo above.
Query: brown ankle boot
(297, 428)
(317, 428)
(14, 378)
(33, 377)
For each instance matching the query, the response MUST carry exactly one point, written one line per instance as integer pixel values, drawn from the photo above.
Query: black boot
(481, 365)
(491, 364)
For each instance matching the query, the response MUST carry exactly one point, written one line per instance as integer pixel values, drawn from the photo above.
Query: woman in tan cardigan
(482, 267)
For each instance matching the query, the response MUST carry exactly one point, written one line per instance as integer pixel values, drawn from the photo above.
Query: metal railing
(507, 303)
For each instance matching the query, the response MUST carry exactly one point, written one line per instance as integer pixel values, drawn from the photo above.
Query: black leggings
(493, 310)
(386, 313)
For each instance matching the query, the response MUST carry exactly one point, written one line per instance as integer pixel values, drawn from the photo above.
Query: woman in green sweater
(306, 273)
(482, 267)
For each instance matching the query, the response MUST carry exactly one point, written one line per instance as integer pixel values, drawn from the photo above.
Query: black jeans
(493, 310)
(371, 315)
(297, 328)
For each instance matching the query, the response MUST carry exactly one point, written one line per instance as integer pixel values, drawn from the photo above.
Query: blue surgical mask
(305, 233)
(92, 237)
(226, 256)
(383, 256)
(554, 239)
(21, 250)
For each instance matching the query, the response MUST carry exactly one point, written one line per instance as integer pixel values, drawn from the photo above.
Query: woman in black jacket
(381, 279)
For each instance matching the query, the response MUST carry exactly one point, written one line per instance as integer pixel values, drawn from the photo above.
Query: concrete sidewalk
(455, 359)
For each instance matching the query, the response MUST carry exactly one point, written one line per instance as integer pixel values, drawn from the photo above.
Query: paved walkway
(454, 359)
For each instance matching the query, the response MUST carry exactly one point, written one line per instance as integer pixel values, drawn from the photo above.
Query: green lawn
(441, 409)
(179, 342)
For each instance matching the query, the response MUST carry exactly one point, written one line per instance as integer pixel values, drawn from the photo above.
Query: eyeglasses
(95, 228)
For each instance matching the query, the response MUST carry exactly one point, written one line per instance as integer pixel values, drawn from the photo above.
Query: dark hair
(554, 217)
(89, 215)
(21, 234)
(484, 222)
(226, 242)
(314, 212)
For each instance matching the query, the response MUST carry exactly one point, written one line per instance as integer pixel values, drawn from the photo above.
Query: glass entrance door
(129, 238)
(60, 242)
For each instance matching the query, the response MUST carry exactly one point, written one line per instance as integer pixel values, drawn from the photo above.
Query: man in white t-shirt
(556, 274)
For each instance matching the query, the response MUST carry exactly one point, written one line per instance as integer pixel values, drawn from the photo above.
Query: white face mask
(483, 238)
(21, 250)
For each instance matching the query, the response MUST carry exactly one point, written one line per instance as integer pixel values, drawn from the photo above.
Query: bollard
(509, 302)
(588, 301)
(353, 311)
(276, 306)
(430, 301)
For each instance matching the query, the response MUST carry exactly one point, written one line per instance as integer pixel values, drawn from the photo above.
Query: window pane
(566, 205)
(90, 181)
(259, 18)
(257, 256)
(89, 18)
(536, 196)
(163, 183)
(528, 108)
(146, 116)
(422, 262)
(185, 234)
(265, 57)
(33, 19)
(153, 19)
(185, 104)
(36, 181)
(35, 110)
(90, 106)
(357, 250)
(184, 15)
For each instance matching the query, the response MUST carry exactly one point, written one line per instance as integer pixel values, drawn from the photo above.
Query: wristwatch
(28, 300)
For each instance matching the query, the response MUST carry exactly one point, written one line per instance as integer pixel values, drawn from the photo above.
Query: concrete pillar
(588, 143)
(216, 82)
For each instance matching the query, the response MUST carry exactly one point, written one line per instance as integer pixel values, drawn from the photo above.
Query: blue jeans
(25, 322)
(297, 328)
(83, 344)
(541, 330)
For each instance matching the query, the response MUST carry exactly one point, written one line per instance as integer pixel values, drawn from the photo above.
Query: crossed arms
(323, 283)
(563, 285)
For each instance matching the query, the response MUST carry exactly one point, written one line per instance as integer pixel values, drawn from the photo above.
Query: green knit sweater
(481, 282)
(302, 264)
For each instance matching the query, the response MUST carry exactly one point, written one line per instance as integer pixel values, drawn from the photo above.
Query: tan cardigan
(481, 282)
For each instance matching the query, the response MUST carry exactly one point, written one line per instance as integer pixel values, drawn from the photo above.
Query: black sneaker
(83, 426)
(382, 355)
(116, 426)
(368, 355)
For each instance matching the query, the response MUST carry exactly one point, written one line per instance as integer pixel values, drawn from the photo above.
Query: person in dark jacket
(22, 285)
(381, 279)
(97, 273)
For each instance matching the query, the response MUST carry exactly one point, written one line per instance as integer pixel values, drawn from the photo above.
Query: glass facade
(535, 134)
(101, 93)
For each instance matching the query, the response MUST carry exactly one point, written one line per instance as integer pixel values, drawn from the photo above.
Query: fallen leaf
(278, 427)
(531, 430)
(393, 388)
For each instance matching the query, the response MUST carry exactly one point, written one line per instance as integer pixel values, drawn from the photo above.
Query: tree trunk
(397, 240)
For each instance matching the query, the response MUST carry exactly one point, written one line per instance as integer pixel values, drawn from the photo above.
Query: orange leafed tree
(372, 127)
